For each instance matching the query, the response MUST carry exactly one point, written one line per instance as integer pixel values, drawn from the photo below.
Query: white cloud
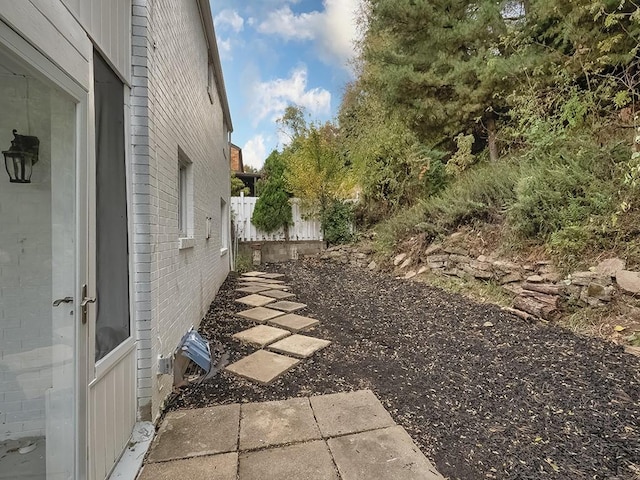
(271, 98)
(224, 46)
(285, 23)
(229, 19)
(254, 152)
(334, 29)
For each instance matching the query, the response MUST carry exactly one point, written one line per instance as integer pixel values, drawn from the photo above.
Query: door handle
(86, 300)
(62, 300)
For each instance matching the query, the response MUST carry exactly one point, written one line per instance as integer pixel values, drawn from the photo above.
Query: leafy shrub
(566, 190)
(480, 193)
(337, 222)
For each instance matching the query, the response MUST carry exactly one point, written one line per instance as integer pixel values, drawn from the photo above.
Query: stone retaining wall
(275, 252)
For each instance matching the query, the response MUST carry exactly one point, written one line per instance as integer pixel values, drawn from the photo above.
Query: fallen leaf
(619, 328)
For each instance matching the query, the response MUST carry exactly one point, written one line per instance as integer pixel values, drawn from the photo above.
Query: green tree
(388, 163)
(440, 64)
(316, 173)
(273, 210)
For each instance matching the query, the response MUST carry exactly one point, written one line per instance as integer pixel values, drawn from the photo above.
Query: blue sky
(280, 52)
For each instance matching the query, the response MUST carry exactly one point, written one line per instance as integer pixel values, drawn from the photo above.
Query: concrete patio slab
(277, 294)
(352, 412)
(260, 314)
(272, 275)
(191, 433)
(299, 346)
(387, 454)
(253, 274)
(277, 423)
(293, 322)
(255, 300)
(253, 289)
(287, 306)
(261, 335)
(262, 366)
(304, 461)
(216, 467)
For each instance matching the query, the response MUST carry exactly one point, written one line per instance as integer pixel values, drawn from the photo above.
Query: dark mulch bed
(508, 401)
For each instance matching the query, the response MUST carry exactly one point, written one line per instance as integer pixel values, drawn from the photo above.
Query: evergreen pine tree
(273, 210)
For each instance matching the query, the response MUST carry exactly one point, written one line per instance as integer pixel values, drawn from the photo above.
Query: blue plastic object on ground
(196, 348)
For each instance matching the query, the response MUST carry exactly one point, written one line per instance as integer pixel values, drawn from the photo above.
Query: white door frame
(43, 67)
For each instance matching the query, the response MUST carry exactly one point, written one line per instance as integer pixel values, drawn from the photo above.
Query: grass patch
(483, 292)
(244, 263)
(478, 195)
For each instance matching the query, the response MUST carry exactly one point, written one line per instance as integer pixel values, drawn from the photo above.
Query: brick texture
(173, 111)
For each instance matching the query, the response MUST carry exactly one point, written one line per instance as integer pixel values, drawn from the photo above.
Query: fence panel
(302, 229)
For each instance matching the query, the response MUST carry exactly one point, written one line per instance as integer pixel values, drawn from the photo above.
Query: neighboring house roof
(237, 165)
(214, 57)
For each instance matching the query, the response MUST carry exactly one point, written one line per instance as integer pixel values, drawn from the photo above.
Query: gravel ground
(484, 394)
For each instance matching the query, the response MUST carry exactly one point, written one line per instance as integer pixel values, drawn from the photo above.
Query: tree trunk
(493, 141)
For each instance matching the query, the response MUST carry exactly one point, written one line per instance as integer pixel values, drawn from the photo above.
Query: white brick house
(118, 242)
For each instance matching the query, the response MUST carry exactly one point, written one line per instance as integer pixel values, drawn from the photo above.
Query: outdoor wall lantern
(21, 157)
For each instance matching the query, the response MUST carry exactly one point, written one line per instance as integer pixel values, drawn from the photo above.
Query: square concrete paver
(260, 314)
(287, 306)
(293, 322)
(304, 461)
(387, 454)
(253, 274)
(263, 367)
(272, 275)
(216, 467)
(253, 289)
(277, 423)
(342, 413)
(255, 300)
(278, 294)
(273, 286)
(192, 433)
(262, 280)
(261, 335)
(299, 346)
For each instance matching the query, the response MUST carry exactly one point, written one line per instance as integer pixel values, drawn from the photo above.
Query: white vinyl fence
(242, 208)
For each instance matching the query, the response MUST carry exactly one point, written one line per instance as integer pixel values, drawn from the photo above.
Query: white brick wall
(171, 110)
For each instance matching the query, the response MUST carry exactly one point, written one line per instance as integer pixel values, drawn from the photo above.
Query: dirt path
(484, 394)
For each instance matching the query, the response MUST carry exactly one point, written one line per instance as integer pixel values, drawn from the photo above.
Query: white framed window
(224, 226)
(185, 200)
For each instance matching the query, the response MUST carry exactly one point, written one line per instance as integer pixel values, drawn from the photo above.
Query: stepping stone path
(278, 294)
(280, 350)
(255, 300)
(261, 336)
(260, 314)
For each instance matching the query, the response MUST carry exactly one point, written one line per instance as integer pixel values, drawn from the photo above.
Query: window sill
(186, 242)
(223, 251)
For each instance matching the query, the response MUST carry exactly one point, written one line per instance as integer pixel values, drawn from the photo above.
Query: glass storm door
(39, 314)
